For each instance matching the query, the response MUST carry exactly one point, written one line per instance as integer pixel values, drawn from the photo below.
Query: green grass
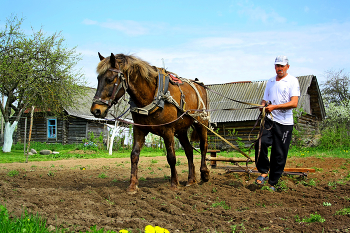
(72, 151)
(78, 151)
(26, 223)
(222, 204)
(34, 223)
(344, 211)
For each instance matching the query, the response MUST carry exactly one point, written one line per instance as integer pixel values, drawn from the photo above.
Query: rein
(241, 102)
(132, 123)
(159, 102)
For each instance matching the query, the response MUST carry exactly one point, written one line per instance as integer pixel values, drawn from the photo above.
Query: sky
(215, 41)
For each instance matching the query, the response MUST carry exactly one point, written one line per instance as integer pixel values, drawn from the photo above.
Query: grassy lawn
(79, 151)
(72, 152)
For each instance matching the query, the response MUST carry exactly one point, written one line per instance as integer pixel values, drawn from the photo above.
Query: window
(51, 128)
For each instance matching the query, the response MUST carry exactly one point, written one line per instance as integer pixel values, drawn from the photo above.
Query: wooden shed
(236, 125)
(72, 127)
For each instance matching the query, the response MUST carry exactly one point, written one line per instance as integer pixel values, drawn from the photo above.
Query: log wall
(70, 130)
(238, 132)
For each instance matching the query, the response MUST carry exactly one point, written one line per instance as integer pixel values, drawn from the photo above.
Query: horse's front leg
(139, 140)
(170, 148)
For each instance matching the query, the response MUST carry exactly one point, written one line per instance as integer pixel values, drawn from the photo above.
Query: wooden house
(237, 125)
(73, 126)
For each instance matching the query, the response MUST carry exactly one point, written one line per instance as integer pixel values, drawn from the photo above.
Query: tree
(336, 88)
(35, 70)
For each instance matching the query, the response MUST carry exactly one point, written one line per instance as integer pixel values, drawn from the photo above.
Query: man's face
(281, 70)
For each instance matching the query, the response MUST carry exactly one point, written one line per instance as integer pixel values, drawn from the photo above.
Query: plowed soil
(78, 194)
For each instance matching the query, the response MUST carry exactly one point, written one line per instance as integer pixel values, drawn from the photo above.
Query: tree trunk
(30, 131)
(8, 140)
(114, 133)
(2, 119)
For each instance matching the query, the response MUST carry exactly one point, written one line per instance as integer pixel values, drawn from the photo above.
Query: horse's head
(111, 86)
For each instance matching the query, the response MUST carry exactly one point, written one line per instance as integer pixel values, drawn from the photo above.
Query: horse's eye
(109, 79)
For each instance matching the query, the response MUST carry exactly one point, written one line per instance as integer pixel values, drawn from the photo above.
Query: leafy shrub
(335, 137)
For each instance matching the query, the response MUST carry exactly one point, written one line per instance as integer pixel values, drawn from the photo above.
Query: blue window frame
(52, 128)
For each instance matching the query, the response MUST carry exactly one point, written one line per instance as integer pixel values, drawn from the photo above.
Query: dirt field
(77, 194)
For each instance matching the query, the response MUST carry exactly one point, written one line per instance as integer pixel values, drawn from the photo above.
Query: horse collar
(158, 100)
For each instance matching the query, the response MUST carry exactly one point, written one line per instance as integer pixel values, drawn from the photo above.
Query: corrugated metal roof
(251, 92)
(82, 107)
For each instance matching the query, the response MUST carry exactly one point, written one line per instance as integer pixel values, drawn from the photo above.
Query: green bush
(335, 136)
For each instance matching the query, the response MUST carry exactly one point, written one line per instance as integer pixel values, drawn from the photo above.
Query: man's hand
(293, 103)
(270, 108)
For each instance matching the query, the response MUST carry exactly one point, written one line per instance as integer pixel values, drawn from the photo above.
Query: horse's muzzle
(97, 112)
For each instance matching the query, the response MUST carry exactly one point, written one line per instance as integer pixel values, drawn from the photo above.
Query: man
(281, 95)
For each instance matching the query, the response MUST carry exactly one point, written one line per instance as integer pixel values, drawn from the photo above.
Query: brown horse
(121, 73)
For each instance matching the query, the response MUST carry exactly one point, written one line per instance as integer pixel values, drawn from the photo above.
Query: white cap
(281, 60)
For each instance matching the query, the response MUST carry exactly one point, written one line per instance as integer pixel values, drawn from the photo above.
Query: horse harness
(162, 94)
(159, 96)
(122, 84)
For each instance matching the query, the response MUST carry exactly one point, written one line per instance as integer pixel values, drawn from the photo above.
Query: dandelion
(123, 231)
(156, 229)
(149, 229)
(159, 229)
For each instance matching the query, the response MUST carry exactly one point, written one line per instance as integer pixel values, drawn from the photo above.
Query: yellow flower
(159, 229)
(149, 229)
(123, 231)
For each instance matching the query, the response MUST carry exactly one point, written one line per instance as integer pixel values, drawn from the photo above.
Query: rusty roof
(82, 107)
(252, 92)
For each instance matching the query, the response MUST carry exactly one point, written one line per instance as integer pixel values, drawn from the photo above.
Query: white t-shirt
(280, 92)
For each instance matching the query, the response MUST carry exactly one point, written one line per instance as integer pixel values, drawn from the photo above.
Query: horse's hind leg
(202, 132)
(170, 145)
(183, 138)
(139, 140)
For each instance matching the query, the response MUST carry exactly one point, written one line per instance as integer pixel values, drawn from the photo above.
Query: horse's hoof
(190, 183)
(132, 190)
(174, 188)
(205, 176)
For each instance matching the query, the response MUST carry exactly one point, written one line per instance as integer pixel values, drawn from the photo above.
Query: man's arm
(293, 103)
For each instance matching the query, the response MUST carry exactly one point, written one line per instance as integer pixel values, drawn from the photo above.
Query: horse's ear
(100, 56)
(112, 59)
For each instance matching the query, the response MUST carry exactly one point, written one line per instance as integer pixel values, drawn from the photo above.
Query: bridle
(117, 86)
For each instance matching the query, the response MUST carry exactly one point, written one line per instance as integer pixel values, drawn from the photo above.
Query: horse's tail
(194, 135)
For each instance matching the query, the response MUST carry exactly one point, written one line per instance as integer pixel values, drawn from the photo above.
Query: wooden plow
(303, 172)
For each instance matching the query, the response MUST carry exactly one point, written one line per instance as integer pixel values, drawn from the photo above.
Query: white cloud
(245, 56)
(259, 14)
(89, 22)
(128, 27)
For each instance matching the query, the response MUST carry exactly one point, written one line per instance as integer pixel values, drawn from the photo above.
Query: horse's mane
(128, 64)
